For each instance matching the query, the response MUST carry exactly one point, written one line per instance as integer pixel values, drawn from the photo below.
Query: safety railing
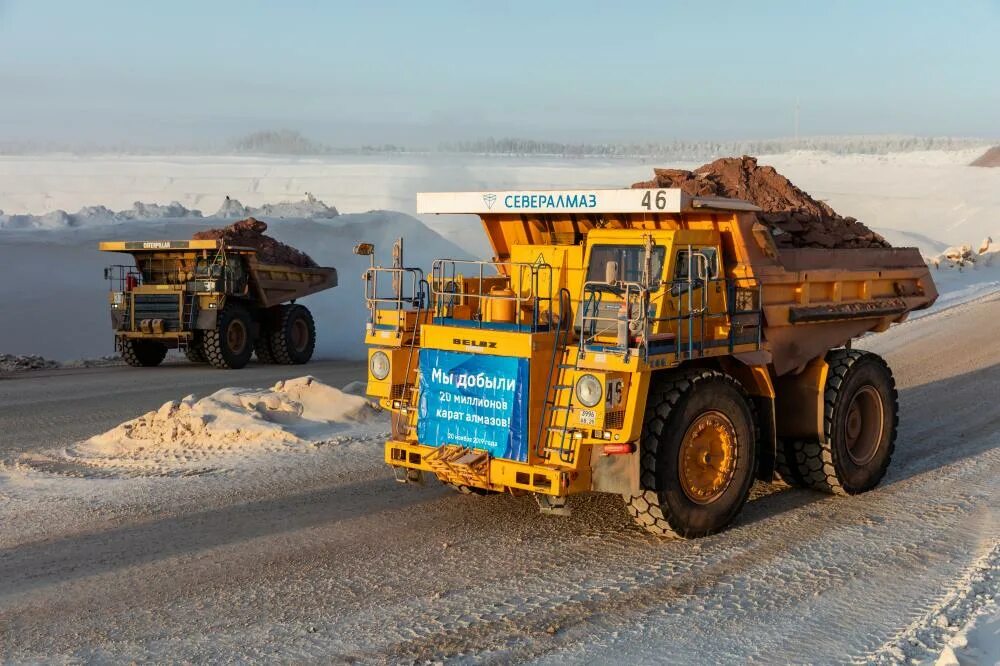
(525, 289)
(394, 289)
(632, 327)
(628, 323)
(741, 313)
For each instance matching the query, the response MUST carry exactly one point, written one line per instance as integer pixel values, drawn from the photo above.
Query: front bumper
(471, 467)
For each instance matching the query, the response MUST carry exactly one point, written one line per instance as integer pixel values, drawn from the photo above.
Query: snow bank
(183, 433)
(962, 274)
(308, 208)
(97, 216)
(293, 411)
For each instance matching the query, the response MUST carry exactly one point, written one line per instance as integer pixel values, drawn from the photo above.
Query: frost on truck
(640, 342)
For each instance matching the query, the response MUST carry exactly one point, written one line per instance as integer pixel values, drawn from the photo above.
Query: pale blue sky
(422, 72)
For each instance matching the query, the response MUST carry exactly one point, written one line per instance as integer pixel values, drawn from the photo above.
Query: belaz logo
(482, 344)
(489, 199)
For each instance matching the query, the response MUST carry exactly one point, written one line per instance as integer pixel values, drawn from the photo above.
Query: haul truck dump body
(214, 301)
(640, 342)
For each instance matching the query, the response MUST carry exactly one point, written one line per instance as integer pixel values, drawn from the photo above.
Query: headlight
(379, 365)
(588, 390)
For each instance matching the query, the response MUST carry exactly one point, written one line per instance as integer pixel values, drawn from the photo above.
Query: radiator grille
(614, 420)
(158, 306)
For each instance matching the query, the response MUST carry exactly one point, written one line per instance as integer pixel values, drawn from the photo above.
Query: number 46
(660, 201)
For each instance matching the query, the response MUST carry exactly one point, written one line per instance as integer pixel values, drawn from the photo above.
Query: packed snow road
(318, 554)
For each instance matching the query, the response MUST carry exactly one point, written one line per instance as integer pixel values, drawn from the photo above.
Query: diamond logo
(489, 199)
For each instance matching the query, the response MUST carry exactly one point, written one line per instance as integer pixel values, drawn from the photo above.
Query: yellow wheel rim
(708, 457)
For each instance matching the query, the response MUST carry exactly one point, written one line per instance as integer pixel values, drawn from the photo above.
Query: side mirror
(107, 273)
(364, 249)
(611, 272)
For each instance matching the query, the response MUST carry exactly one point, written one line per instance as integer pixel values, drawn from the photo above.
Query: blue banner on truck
(474, 400)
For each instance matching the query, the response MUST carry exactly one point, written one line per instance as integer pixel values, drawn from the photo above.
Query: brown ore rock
(794, 218)
(250, 233)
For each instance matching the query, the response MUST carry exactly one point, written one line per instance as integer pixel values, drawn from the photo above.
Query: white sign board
(553, 201)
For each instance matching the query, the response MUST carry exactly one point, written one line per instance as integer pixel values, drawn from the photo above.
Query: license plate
(588, 417)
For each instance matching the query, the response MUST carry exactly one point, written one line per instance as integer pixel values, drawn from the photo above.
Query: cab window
(711, 265)
(630, 263)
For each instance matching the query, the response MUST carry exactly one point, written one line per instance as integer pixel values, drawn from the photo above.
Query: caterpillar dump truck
(639, 342)
(214, 301)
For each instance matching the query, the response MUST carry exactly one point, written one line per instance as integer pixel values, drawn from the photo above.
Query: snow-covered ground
(305, 549)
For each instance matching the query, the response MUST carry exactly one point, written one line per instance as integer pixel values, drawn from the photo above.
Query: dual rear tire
(698, 451)
(861, 414)
(287, 336)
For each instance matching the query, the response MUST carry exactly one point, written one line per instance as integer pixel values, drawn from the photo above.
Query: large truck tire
(784, 463)
(293, 337)
(229, 345)
(262, 345)
(697, 455)
(860, 417)
(194, 351)
(142, 353)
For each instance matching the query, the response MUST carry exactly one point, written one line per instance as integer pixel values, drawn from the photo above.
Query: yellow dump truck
(639, 342)
(214, 301)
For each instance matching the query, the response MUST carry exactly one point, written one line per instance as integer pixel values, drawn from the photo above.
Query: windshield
(630, 263)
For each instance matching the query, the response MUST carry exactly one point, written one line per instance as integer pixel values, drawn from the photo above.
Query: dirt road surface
(321, 555)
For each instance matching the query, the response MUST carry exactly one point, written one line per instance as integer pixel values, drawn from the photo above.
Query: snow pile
(96, 216)
(20, 362)
(309, 208)
(295, 412)
(962, 273)
(92, 216)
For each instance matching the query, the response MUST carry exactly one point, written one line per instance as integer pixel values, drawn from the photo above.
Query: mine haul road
(323, 556)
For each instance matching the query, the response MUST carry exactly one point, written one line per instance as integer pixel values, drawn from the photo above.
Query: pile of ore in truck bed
(250, 233)
(794, 218)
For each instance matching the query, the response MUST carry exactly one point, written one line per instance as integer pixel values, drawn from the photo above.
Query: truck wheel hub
(236, 336)
(300, 335)
(863, 425)
(708, 457)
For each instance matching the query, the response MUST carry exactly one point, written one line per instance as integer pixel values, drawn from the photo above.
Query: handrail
(446, 282)
(696, 314)
(397, 300)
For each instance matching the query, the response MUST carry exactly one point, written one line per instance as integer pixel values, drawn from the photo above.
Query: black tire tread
(212, 343)
(814, 461)
(645, 508)
(279, 346)
(194, 351)
(142, 354)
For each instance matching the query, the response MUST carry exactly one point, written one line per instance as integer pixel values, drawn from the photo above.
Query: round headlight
(588, 390)
(379, 365)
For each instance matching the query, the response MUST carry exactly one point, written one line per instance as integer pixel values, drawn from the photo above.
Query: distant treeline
(697, 150)
(291, 142)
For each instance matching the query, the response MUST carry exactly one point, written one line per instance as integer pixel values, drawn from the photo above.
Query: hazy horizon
(117, 72)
